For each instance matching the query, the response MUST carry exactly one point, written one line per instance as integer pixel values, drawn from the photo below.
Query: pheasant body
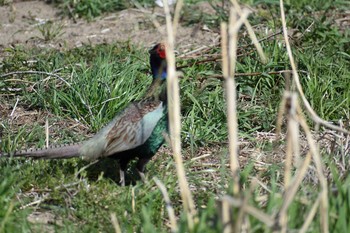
(147, 150)
(129, 129)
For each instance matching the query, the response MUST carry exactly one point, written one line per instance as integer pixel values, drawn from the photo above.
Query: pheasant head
(159, 72)
(158, 61)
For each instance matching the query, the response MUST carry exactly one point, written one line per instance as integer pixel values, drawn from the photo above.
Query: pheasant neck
(155, 90)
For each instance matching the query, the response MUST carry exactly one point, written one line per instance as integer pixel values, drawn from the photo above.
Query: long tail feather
(60, 152)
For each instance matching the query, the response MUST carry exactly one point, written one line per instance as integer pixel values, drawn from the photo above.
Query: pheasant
(135, 132)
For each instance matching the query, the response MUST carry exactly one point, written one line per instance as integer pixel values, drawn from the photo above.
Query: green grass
(105, 78)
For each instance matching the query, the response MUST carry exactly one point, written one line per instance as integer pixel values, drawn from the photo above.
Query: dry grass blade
(292, 189)
(258, 214)
(311, 215)
(226, 216)
(250, 32)
(319, 168)
(318, 120)
(47, 132)
(174, 118)
(292, 136)
(279, 122)
(169, 207)
(229, 66)
(290, 99)
(115, 223)
(14, 107)
(242, 210)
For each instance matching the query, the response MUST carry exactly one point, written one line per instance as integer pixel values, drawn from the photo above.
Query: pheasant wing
(130, 129)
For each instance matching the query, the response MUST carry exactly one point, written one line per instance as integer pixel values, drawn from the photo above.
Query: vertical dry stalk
(291, 101)
(311, 215)
(174, 119)
(171, 213)
(226, 216)
(300, 174)
(177, 16)
(115, 223)
(251, 33)
(47, 132)
(133, 204)
(319, 168)
(231, 99)
(289, 193)
(292, 188)
(292, 136)
(318, 120)
(242, 211)
(229, 66)
(281, 110)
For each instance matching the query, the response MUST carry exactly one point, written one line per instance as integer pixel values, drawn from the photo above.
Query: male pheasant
(136, 132)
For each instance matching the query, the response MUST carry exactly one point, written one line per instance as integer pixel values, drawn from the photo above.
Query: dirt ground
(20, 23)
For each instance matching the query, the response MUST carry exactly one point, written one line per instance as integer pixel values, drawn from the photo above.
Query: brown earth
(21, 22)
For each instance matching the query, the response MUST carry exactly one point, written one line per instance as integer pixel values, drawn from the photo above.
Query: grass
(105, 78)
(50, 30)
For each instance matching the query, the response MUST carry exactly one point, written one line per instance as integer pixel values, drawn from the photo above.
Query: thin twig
(245, 202)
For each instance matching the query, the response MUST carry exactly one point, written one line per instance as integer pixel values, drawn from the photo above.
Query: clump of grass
(50, 30)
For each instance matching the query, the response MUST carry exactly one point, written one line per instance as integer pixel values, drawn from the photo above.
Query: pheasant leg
(122, 177)
(123, 165)
(140, 167)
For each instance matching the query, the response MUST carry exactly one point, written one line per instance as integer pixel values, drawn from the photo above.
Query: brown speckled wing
(132, 129)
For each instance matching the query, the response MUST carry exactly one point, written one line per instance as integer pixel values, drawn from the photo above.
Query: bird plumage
(129, 129)
(137, 131)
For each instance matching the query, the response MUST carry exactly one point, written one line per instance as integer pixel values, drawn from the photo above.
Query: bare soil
(20, 23)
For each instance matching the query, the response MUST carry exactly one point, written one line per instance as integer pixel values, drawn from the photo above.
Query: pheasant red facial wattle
(161, 51)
